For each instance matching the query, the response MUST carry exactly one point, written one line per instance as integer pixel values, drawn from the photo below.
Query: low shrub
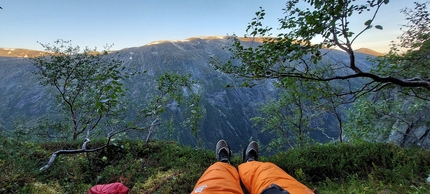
(166, 167)
(383, 162)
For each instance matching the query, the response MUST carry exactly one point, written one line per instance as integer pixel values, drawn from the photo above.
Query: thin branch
(82, 150)
(387, 79)
(367, 27)
(151, 129)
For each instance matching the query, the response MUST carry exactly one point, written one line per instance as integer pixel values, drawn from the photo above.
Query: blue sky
(133, 23)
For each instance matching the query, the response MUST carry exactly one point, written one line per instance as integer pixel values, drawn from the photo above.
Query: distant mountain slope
(22, 53)
(369, 52)
(228, 110)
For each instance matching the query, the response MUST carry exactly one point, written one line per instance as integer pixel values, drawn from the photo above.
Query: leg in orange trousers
(220, 178)
(258, 176)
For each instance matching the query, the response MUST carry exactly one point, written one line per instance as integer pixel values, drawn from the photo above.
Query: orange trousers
(256, 176)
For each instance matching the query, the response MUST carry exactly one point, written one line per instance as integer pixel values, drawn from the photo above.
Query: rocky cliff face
(412, 127)
(21, 97)
(228, 109)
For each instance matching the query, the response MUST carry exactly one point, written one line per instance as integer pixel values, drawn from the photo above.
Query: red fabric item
(112, 188)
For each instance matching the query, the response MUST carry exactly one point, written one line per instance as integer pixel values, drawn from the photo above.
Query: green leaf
(379, 27)
(368, 22)
(245, 84)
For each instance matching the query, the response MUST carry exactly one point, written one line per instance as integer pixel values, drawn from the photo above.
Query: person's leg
(220, 177)
(259, 176)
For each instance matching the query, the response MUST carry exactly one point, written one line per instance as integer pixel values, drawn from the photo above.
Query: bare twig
(82, 150)
(151, 129)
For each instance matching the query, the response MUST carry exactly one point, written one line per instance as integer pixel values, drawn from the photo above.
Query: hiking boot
(222, 151)
(250, 153)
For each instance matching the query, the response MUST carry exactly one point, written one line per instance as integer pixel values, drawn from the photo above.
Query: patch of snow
(186, 40)
(178, 46)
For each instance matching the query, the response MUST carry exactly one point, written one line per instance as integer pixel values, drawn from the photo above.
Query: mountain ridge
(19, 52)
(25, 53)
(369, 52)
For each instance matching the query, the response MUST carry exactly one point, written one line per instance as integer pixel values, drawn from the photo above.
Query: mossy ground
(166, 167)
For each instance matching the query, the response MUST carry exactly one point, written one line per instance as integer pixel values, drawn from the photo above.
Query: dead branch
(82, 150)
(151, 129)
